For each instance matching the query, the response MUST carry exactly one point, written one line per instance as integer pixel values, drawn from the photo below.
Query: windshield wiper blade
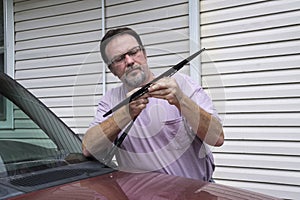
(144, 89)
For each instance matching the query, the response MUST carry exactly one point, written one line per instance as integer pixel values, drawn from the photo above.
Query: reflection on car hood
(143, 186)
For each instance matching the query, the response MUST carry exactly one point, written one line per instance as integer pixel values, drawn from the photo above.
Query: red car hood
(144, 186)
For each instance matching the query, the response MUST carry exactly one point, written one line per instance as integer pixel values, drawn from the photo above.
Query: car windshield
(31, 136)
(25, 147)
(37, 150)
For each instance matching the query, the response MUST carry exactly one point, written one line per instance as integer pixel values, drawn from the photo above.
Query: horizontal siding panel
(251, 38)
(263, 133)
(21, 5)
(170, 48)
(282, 191)
(151, 15)
(59, 20)
(256, 51)
(112, 80)
(242, 12)
(74, 81)
(80, 131)
(67, 91)
(264, 119)
(161, 25)
(58, 51)
(252, 65)
(40, 142)
(166, 60)
(116, 2)
(252, 24)
(73, 111)
(259, 162)
(54, 10)
(18, 114)
(263, 105)
(138, 6)
(65, 29)
(260, 147)
(57, 44)
(256, 92)
(222, 4)
(82, 69)
(79, 122)
(59, 61)
(88, 100)
(23, 134)
(24, 124)
(165, 37)
(255, 78)
(259, 175)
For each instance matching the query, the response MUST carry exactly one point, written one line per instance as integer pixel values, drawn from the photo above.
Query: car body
(41, 158)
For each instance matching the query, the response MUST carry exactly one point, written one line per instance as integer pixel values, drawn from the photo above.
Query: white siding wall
(254, 79)
(255, 47)
(57, 55)
(163, 26)
(57, 48)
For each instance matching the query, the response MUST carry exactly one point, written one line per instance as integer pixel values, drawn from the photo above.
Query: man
(173, 124)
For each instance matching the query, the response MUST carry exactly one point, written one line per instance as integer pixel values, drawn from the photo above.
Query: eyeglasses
(119, 60)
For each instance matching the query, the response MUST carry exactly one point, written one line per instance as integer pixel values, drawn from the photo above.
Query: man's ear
(114, 73)
(145, 53)
(112, 70)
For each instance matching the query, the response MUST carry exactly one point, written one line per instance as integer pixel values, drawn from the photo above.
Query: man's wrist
(121, 117)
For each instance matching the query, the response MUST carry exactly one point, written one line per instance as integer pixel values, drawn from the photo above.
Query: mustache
(131, 68)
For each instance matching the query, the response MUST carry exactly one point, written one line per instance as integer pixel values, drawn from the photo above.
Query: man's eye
(133, 52)
(118, 59)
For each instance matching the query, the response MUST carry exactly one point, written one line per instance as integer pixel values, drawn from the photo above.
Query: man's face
(128, 61)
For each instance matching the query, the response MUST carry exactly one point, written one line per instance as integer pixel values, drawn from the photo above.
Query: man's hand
(135, 107)
(207, 127)
(168, 89)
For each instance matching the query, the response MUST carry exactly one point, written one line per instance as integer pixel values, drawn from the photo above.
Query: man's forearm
(207, 127)
(99, 137)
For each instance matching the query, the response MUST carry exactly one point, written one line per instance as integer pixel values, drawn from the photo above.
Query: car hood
(143, 186)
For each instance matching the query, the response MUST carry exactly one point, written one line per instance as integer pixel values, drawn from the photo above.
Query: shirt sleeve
(107, 102)
(197, 94)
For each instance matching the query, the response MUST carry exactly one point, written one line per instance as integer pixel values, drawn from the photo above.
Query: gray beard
(137, 81)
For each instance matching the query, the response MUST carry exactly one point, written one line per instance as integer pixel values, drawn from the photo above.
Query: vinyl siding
(254, 46)
(57, 48)
(57, 56)
(25, 130)
(163, 26)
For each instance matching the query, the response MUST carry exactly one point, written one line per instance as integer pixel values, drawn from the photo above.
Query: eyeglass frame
(121, 57)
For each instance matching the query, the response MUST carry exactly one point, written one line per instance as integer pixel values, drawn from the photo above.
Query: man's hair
(114, 32)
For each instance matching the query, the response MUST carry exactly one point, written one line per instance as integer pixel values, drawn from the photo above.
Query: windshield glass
(32, 137)
(25, 147)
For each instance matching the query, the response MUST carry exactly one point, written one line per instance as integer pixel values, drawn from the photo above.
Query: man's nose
(128, 59)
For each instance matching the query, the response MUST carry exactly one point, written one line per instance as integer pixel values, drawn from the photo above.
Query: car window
(26, 147)
(38, 139)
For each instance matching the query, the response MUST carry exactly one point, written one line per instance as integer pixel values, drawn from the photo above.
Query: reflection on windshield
(27, 148)
(37, 149)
